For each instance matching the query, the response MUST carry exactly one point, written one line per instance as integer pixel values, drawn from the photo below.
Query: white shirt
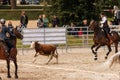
(103, 21)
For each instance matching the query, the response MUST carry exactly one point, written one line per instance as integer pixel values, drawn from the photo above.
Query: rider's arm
(103, 20)
(10, 32)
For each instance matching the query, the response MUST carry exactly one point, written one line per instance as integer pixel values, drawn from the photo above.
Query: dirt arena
(76, 64)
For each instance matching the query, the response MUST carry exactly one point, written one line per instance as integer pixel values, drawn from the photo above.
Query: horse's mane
(97, 26)
(17, 33)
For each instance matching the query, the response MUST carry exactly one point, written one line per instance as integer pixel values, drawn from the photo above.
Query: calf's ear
(37, 41)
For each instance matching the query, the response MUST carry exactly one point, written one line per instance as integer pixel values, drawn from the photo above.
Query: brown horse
(13, 53)
(100, 39)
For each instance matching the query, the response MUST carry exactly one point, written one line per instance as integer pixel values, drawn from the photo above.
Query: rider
(105, 27)
(6, 35)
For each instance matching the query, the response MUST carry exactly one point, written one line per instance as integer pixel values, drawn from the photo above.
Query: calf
(46, 50)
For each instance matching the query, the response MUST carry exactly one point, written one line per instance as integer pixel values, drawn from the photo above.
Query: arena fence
(62, 36)
(56, 36)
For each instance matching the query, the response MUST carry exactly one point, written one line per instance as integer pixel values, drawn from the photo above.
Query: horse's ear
(16, 27)
(93, 20)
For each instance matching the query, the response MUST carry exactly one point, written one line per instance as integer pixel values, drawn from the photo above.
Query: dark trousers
(10, 44)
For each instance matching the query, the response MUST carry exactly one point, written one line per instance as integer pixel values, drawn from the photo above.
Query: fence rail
(77, 37)
(44, 36)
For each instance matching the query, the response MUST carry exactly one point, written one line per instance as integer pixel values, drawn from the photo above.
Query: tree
(73, 10)
(13, 4)
(77, 10)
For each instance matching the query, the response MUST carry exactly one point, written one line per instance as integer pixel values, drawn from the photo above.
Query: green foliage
(22, 7)
(77, 10)
(73, 10)
(67, 10)
(110, 3)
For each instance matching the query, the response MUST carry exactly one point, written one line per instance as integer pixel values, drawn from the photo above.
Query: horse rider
(105, 27)
(5, 35)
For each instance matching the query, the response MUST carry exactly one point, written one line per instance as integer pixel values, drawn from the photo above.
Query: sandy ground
(76, 64)
(31, 23)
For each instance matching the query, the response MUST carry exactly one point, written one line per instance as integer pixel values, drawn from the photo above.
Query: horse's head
(93, 25)
(17, 33)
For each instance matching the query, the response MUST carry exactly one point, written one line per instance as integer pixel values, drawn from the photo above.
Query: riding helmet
(2, 21)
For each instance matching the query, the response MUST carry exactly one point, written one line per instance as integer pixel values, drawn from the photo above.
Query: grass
(78, 40)
(19, 44)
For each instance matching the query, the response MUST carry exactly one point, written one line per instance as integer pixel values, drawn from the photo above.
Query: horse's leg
(16, 68)
(8, 67)
(94, 45)
(13, 54)
(116, 47)
(95, 53)
(109, 48)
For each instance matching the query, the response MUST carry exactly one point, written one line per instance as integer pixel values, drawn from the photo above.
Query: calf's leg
(56, 56)
(34, 59)
(51, 56)
(35, 54)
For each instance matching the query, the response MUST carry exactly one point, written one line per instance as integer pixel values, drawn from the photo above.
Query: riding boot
(109, 37)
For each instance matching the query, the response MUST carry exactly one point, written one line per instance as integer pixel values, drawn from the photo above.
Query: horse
(13, 53)
(100, 39)
(112, 60)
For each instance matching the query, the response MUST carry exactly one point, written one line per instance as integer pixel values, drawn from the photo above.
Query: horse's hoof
(16, 77)
(95, 58)
(34, 59)
(0, 78)
(105, 57)
(9, 76)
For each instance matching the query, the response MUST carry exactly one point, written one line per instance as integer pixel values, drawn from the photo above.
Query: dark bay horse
(13, 53)
(100, 39)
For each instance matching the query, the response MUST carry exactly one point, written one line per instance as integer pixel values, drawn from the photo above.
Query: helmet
(2, 21)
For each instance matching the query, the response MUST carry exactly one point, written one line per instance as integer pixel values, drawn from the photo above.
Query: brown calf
(46, 50)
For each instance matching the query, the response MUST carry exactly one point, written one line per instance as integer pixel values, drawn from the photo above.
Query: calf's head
(32, 45)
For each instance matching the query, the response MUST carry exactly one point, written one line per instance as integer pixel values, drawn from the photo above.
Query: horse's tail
(114, 33)
(119, 37)
(114, 59)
